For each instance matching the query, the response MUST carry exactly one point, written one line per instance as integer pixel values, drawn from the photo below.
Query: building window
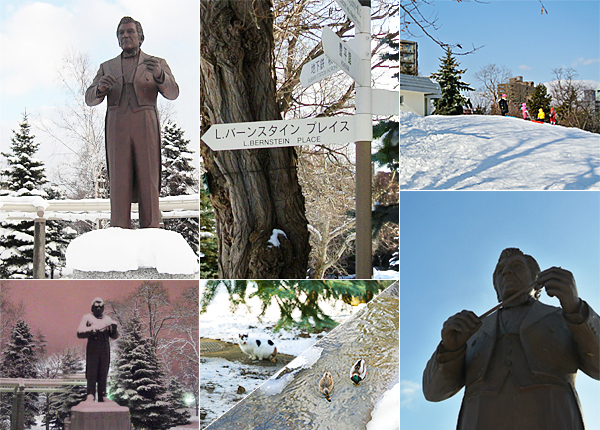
(401, 100)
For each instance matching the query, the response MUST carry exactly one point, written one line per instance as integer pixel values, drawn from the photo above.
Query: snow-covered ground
(39, 424)
(220, 323)
(118, 249)
(386, 415)
(482, 152)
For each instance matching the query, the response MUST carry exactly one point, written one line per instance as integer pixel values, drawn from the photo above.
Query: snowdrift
(477, 152)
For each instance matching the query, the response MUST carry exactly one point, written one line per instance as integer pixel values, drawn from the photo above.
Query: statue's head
(130, 33)
(98, 307)
(515, 271)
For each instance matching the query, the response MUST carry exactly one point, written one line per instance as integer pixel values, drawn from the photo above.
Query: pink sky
(56, 307)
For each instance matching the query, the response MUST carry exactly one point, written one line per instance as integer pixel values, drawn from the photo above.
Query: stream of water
(371, 334)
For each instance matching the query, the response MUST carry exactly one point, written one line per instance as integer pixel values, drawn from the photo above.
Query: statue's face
(129, 39)
(512, 275)
(97, 310)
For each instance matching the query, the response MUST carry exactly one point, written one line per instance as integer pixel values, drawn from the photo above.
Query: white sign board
(385, 102)
(317, 69)
(273, 134)
(352, 10)
(342, 55)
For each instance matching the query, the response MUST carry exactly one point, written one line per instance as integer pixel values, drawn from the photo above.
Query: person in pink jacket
(524, 109)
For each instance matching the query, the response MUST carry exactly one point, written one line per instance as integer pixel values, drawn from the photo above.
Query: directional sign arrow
(352, 10)
(273, 134)
(341, 54)
(317, 69)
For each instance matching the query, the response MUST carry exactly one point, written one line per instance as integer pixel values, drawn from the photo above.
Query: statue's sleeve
(92, 97)
(83, 332)
(113, 330)
(168, 88)
(444, 374)
(585, 328)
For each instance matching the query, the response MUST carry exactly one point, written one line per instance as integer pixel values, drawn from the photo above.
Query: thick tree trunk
(253, 191)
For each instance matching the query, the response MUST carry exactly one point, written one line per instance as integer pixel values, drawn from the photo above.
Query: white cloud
(524, 67)
(409, 390)
(585, 62)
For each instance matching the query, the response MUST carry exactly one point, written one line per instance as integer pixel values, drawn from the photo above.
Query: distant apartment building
(409, 56)
(517, 90)
(593, 97)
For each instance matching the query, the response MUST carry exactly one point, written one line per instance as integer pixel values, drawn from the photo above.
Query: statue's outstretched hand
(458, 329)
(560, 283)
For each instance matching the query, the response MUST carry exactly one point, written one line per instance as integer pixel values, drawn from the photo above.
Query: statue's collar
(130, 54)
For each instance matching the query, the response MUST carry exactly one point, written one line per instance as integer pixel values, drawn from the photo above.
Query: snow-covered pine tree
(540, 99)
(58, 236)
(19, 360)
(178, 414)
(178, 178)
(209, 254)
(60, 404)
(449, 77)
(138, 381)
(24, 176)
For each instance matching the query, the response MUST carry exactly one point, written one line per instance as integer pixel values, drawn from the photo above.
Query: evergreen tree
(178, 178)
(19, 360)
(295, 295)
(138, 381)
(58, 236)
(209, 254)
(388, 152)
(178, 409)
(388, 131)
(24, 176)
(394, 55)
(539, 99)
(449, 77)
(60, 404)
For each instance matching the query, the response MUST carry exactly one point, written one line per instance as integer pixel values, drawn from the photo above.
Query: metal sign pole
(364, 269)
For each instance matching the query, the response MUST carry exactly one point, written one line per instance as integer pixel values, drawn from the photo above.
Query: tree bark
(252, 191)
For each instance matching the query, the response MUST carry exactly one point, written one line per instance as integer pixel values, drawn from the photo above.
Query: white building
(416, 93)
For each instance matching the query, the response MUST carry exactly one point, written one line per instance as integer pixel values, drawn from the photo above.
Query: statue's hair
(138, 27)
(533, 266)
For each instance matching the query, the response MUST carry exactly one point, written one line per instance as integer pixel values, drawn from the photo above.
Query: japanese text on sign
(258, 135)
(309, 131)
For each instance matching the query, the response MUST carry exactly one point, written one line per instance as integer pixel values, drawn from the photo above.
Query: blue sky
(516, 35)
(450, 242)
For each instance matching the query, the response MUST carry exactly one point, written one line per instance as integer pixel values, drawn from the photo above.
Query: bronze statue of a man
(98, 329)
(518, 365)
(131, 83)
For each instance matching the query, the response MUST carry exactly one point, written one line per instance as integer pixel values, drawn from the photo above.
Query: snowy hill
(478, 152)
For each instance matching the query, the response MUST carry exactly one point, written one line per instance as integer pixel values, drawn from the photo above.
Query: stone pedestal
(106, 415)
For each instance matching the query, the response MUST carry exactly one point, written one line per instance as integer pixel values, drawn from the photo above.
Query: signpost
(317, 69)
(271, 134)
(353, 58)
(345, 57)
(352, 8)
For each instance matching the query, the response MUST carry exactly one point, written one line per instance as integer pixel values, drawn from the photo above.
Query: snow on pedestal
(123, 253)
(107, 415)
